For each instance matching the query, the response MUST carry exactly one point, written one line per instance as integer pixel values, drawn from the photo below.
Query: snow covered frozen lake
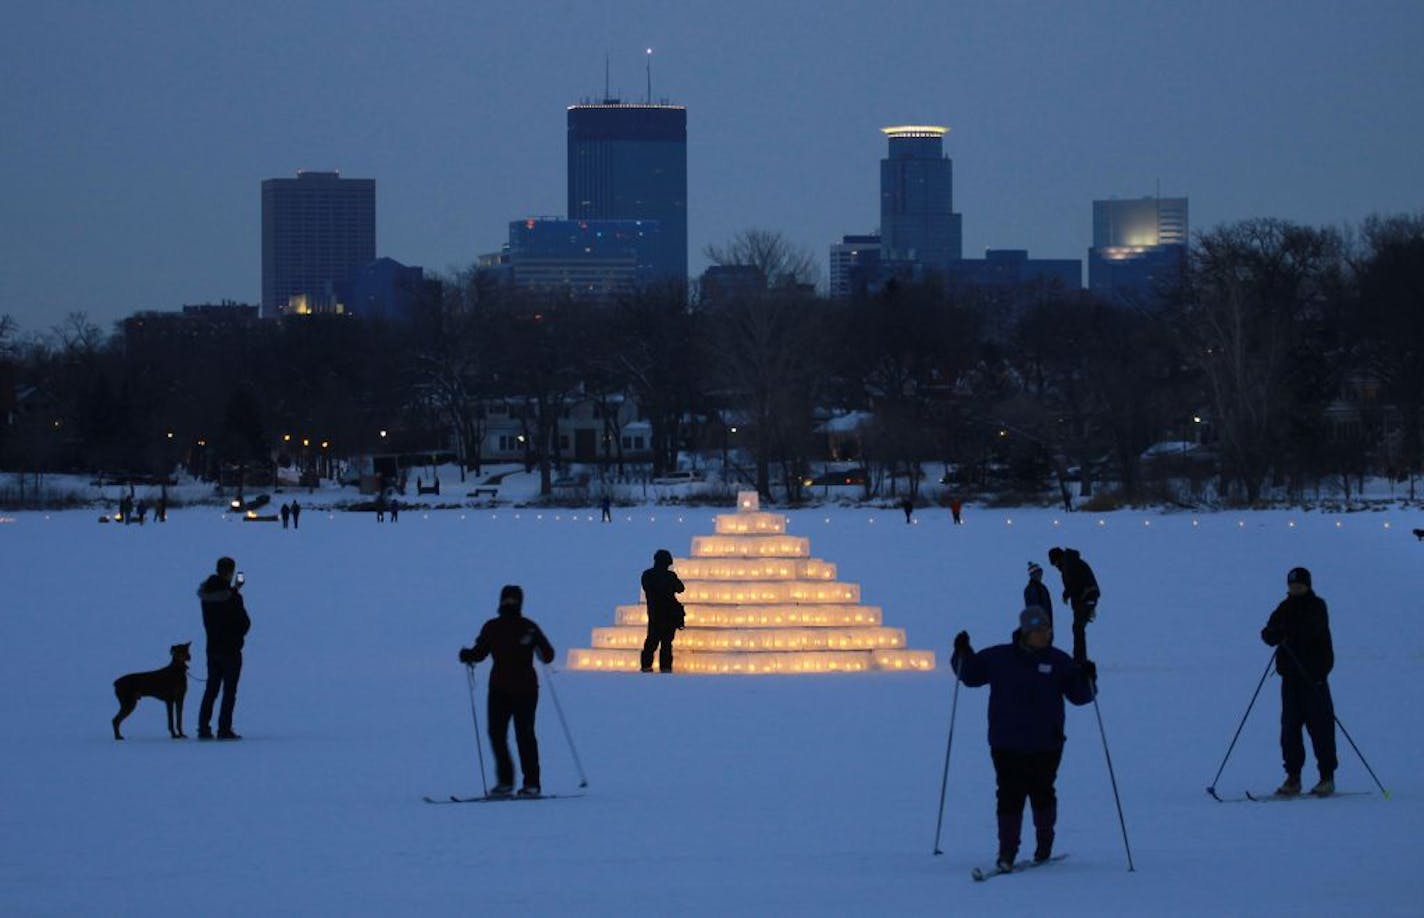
(708, 795)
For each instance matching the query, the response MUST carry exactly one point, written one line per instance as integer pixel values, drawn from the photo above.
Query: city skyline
(139, 134)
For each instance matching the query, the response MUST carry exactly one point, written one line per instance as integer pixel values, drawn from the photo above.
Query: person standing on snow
(1300, 630)
(1036, 594)
(665, 614)
(1080, 591)
(226, 623)
(1028, 679)
(512, 640)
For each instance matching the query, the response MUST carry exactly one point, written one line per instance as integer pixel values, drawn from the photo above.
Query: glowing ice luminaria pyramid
(757, 602)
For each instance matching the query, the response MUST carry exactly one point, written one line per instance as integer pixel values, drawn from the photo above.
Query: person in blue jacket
(1028, 679)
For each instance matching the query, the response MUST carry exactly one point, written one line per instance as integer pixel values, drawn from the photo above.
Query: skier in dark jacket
(226, 623)
(1300, 630)
(1028, 680)
(512, 640)
(1036, 594)
(1080, 591)
(665, 612)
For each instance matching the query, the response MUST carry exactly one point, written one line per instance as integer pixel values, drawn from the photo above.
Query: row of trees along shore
(1296, 353)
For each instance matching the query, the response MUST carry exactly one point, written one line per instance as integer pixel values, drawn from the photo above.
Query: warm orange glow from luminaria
(758, 603)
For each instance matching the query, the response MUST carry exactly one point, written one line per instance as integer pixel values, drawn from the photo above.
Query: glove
(1090, 671)
(467, 655)
(961, 644)
(1271, 636)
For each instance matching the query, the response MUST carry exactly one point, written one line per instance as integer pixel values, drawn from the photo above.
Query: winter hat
(511, 597)
(1033, 568)
(1033, 619)
(662, 556)
(1298, 575)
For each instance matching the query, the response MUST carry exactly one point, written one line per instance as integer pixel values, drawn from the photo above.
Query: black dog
(168, 684)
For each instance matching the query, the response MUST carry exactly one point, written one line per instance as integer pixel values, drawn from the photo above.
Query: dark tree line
(1295, 353)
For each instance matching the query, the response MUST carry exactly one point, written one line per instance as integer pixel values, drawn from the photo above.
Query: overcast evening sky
(134, 136)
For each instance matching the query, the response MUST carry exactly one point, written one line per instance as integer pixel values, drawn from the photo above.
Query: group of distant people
(131, 511)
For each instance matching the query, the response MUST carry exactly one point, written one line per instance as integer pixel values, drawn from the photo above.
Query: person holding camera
(512, 640)
(665, 612)
(226, 623)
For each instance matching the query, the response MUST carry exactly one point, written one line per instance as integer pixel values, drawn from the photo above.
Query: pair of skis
(455, 798)
(1272, 797)
(980, 874)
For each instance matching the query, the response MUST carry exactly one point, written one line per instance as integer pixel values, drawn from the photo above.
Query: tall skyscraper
(917, 219)
(628, 161)
(1139, 248)
(317, 230)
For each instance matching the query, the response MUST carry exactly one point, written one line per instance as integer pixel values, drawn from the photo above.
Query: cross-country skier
(1028, 679)
(1300, 629)
(512, 640)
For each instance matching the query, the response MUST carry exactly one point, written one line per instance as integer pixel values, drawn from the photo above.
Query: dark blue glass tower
(917, 219)
(629, 162)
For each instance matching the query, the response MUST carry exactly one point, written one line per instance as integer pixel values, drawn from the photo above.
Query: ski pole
(1112, 777)
(583, 780)
(1212, 788)
(949, 744)
(1326, 701)
(474, 715)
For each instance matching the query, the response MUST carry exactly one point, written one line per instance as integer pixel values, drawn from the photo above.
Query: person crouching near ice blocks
(512, 640)
(1028, 679)
(1300, 630)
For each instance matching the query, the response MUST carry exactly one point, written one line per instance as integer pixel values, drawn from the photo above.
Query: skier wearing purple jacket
(1028, 680)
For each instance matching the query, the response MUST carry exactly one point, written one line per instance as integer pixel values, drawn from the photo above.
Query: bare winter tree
(1391, 290)
(781, 262)
(772, 360)
(1254, 296)
(452, 358)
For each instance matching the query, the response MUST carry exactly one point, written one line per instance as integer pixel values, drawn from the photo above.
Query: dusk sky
(135, 136)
